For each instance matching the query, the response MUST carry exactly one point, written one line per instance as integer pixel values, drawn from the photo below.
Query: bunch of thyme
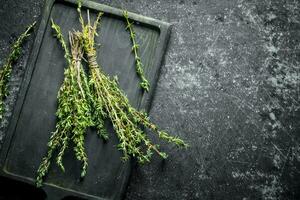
(6, 70)
(74, 111)
(114, 105)
(139, 65)
(83, 103)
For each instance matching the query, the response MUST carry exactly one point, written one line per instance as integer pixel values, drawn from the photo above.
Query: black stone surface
(230, 86)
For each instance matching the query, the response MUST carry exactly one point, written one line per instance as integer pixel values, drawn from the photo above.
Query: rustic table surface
(229, 85)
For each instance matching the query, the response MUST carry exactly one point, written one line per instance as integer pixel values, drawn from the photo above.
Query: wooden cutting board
(34, 118)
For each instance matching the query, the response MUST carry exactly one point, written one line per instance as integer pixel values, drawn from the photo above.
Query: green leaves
(5, 71)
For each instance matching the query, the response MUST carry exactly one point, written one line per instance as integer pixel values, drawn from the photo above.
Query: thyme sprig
(6, 70)
(113, 104)
(135, 47)
(74, 111)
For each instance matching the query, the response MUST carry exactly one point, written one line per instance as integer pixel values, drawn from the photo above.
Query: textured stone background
(230, 86)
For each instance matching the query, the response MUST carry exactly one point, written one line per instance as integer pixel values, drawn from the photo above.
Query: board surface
(34, 114)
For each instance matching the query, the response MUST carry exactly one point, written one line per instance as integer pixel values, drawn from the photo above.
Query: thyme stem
(139, 65)
(5, 71)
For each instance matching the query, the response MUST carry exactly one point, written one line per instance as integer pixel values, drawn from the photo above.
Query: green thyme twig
(6, 70)
(74, 111)
(139, 65)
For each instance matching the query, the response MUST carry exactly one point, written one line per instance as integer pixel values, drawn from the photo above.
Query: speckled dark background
(230, 86)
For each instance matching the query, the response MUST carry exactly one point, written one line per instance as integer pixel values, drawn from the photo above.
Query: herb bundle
(87, 101)
(113, 104)
(74, 111)
(6, 70)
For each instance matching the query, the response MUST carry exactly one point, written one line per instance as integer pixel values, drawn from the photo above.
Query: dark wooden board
(34, 114)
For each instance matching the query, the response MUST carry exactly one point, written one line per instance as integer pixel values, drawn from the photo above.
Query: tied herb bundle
(85, 102)
(111, 103)
(6, 70)
(74, 111)
(139, 65)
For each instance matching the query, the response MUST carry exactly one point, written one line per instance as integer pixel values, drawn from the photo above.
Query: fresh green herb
(113, 104)
(74, 111)
(6, 70)
(86, 102)
(135, 47)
